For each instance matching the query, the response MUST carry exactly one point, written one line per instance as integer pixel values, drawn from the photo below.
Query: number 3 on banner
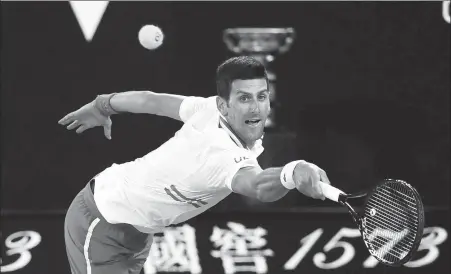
(27, 240)
(348, 250)
(437, 235)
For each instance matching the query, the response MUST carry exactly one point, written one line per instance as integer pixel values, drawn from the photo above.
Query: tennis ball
(150, 37)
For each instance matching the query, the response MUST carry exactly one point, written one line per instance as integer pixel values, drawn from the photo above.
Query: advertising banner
(235, 243)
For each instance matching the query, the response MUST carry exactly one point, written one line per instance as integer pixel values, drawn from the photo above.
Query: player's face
(248, 108)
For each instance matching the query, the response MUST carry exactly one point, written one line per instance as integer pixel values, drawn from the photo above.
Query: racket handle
(330, 192)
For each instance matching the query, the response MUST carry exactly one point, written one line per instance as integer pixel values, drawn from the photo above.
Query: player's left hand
(87, 117)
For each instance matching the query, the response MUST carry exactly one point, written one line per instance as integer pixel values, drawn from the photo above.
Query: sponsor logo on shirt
(240, 159)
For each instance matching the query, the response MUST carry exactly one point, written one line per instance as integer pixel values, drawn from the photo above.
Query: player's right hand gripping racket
(392, 220)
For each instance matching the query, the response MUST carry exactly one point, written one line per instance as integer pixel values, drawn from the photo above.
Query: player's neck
(242, 142)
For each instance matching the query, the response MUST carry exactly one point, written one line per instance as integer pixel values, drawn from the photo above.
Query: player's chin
(255, 133)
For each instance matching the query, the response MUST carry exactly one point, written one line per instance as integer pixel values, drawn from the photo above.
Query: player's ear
(222, 105)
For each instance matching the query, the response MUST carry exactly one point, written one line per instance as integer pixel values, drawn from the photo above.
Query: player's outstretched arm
(162, 104)
(271, 184)
(98, 112)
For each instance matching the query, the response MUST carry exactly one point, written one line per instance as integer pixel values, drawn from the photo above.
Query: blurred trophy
(264, 44)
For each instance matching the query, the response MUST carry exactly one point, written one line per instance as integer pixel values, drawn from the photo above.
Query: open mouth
(253, 122)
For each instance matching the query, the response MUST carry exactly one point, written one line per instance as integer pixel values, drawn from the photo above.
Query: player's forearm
(147, 102)
(132, 101)
(268, 186)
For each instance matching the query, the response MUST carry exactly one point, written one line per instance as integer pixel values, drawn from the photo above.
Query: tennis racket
(391, 222)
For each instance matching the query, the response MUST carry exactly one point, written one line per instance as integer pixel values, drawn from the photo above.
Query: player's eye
(244, 98)
(262, 97)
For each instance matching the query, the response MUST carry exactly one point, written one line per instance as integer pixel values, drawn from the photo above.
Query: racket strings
(384, 242)
(412, 224)
(387, 203)
(386, 208)
(390, 196)
(383, 204)
(392, 235)
(391, 222)
(387, 226)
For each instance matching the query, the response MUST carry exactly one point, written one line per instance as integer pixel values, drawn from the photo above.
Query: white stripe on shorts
(86, 246)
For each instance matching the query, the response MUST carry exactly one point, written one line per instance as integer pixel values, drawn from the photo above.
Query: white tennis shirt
(185, 176)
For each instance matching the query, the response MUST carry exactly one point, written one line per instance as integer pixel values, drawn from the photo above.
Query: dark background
(364, 90)
(364, 94)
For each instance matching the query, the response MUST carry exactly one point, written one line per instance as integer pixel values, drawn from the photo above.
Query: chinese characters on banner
(240, 248)
(175, 251)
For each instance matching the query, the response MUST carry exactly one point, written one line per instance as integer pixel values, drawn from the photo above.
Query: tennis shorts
(95, 246)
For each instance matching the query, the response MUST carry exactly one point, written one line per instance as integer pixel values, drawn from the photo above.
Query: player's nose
(254, 107)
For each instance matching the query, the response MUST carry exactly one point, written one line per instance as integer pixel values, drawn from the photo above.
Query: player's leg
(76, 226)
(118, 249)
(96, 247)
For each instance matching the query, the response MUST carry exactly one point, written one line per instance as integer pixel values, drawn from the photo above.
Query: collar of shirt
(256, 150)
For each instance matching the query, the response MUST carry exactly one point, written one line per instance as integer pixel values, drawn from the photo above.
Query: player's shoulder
(209, 105)
(194, 106)
(205, 118)
(196, 103)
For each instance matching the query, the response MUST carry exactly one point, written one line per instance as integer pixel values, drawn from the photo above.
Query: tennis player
(110, 223)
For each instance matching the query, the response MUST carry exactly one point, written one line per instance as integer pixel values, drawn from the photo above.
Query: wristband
(286, 176)
(102, 103)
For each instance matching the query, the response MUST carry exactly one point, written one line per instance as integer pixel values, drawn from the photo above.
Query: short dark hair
(237, 68)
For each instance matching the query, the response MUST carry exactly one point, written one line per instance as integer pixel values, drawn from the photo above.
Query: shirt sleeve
(225, 164)
(192, 104)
